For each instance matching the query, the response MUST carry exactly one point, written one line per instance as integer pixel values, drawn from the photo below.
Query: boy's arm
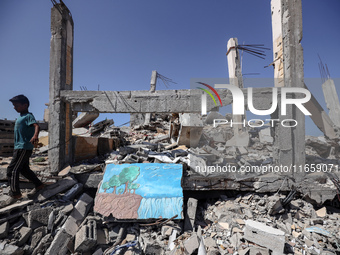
(35, 138)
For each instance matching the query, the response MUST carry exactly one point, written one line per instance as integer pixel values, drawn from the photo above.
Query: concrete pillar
(61, 78)
(235, 78)
(332, 101)
(153, 83)
(290, 142)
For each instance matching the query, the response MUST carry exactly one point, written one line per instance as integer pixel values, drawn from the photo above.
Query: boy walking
(26, 133)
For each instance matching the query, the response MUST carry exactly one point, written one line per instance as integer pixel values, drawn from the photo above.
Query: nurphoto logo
(238, 106)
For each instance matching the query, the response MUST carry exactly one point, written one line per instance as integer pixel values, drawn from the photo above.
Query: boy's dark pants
(20, 164)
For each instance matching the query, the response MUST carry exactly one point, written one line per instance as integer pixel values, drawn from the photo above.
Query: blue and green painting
(141, 191)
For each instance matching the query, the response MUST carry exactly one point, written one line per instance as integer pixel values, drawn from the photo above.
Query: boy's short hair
(20, 99)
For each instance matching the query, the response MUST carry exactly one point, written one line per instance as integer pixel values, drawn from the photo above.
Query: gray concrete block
(70, 226)
(78, 214)
(86, 237)
(4, 230)
(43, 244)
(59, 243)
(8, 249)
(82, 207)
(37, 235)
(39, 217)
(24, 235)
(191, 244)
(265, 236)
(90, 180)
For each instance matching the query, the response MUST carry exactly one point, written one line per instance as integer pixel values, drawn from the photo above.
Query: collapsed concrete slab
(84, 119)
(264, 235)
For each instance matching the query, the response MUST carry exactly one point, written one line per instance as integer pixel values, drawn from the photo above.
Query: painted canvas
(141, 191)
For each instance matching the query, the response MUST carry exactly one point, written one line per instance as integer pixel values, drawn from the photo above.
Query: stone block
(39, 217)
(24, 235)
(78, 214)
(59, 243)
(37, 235)
(191, 244)
(266, 236)
(8, 249)
(4, 230)
(86, 237)
(43, 245)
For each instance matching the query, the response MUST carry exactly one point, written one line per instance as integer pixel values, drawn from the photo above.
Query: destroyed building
(256, 189)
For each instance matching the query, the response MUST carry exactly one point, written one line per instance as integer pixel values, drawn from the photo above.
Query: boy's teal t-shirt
(24, 131)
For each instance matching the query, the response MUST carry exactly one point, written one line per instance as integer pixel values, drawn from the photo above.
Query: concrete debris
(268, 237)
(4, 230)
(61, 219)
(244, 224)
(84, 119)
(265, 136)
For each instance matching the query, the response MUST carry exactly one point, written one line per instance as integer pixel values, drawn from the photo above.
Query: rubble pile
(295, 220)
(61, 221)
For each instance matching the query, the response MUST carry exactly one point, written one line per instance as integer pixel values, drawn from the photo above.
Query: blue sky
(118, 43)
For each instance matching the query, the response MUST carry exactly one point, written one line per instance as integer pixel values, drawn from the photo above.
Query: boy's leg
(28, 173)
(13, 170)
